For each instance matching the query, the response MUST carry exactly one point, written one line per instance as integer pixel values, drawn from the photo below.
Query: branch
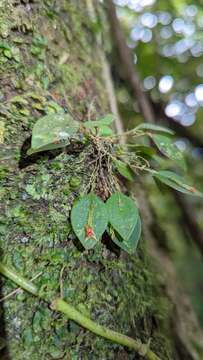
(128, 66)
(131, 77)
(73, 314)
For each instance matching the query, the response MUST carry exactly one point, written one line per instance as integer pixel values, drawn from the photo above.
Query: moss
(48, 62)
(96, 281)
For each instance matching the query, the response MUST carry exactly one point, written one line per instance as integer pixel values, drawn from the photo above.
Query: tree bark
(48, 62)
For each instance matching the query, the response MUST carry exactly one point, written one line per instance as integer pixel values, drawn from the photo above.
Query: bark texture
(49, 61)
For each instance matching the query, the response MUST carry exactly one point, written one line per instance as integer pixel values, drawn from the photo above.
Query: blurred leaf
(176, 182)
(107, 119)
(166, 147)
(52, 132)
(144, 151)
(104, 121)
(163, 163)
(124, 170)
(123, 214)
(89, 212)
(155, 128)
(105, 131)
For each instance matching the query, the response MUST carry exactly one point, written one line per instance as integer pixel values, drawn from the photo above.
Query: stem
(73, 314)
(18, 279)
(61, 306)
(132, 132)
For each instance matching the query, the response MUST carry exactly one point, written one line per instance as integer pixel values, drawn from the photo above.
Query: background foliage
(166, 40)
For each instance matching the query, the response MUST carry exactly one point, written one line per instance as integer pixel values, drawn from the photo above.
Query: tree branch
(128, 66)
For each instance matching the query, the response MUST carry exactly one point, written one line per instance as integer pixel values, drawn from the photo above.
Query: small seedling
(104, 207)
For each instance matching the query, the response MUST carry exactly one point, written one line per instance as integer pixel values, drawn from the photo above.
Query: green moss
(96, 281)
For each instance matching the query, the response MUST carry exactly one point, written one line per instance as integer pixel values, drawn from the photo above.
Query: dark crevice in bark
(26, 160)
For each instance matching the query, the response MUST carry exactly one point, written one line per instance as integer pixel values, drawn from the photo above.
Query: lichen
(48, 62)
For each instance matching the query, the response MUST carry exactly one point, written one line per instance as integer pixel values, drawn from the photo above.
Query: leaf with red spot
(89, 212)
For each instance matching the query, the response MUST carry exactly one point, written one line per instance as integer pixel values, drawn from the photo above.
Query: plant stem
(73, 314)
(18, 279)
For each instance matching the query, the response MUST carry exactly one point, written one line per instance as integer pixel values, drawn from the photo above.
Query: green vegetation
(36, 236)
(50, 68)
(105, 155)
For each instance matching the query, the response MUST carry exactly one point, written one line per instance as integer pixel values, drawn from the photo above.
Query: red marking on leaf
(89, 231)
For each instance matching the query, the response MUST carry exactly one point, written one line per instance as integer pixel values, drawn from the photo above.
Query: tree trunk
(48, 62)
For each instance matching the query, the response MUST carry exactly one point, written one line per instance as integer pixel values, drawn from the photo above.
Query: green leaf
(52, 132)
(104, 121)
(166, 147)
(91, 212)
(129, 245)
(91, 124)
(107, 119)
(105, 131)
(144, 151)
(162, 163)
(176, 182)
(123, 214)
(155, 128)
(124, 170)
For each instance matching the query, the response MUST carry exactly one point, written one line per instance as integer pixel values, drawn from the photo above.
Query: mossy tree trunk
(49, 61)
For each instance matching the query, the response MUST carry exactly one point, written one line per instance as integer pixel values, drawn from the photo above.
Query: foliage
(35, 231)
(89, 220)
(52, 132)
(119, 215)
